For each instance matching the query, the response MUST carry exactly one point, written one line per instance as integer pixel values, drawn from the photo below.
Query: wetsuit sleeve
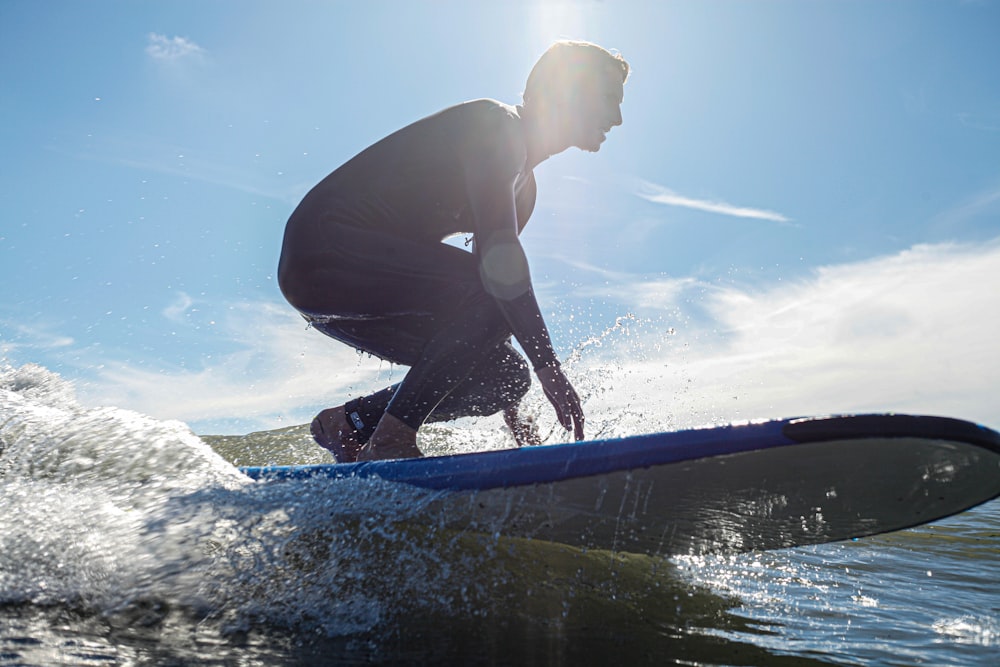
(507, 279)
(491, 173)
(529, 328)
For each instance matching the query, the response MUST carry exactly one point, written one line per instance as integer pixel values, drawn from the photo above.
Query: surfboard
(733, 488)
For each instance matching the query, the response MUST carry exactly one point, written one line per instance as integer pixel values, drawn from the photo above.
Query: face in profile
(594, 107)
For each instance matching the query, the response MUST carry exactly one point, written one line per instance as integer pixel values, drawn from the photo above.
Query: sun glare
(552, 21)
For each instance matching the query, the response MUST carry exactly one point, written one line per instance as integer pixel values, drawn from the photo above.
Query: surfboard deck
(734, 488)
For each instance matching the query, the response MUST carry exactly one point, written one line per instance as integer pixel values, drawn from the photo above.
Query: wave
(111, 512)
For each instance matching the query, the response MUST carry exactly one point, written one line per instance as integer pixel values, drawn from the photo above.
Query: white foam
(115, 513)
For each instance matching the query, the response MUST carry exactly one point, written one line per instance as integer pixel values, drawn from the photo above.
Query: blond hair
(565, 63)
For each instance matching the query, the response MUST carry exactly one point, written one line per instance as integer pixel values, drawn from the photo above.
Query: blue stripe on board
(551, 463)
(548, 463)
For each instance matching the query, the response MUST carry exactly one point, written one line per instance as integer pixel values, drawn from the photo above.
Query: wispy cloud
(983, 203)
(149, 154)
(661, 195)
(161, 47)
(15, 336)
(988, 122)
(176, 309)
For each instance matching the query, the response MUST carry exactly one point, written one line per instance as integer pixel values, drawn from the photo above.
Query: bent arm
(503, 268)
(503, 265)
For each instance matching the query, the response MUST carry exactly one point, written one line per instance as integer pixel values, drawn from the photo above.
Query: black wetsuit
(363, 260)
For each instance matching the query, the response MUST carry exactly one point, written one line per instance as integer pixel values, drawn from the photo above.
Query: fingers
(576, 419)
(562, 414)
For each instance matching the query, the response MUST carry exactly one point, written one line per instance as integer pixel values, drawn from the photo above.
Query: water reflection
(503, 602)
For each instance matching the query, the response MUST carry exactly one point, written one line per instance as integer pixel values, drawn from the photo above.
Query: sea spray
(86, 489)
(138, 521)
(614, 373)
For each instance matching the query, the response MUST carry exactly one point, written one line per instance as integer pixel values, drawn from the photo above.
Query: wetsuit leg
(420, 305)
(359, 274)
(500, 381)
(461, 345)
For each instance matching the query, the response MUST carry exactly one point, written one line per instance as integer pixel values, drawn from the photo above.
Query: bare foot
(524, 429)
(331, 431)
(392, 439)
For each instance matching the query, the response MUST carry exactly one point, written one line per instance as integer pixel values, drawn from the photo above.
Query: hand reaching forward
(563, 398)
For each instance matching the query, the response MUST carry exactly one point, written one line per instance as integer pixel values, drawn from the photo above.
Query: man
(364, 262)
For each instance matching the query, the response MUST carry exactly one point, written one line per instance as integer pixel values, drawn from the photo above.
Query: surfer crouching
(364, 262)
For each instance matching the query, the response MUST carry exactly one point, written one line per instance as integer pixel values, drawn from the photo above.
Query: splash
(115, 514)
(610, 370)
(83, 486)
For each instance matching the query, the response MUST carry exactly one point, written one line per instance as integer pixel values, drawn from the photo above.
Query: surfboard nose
(850, 427)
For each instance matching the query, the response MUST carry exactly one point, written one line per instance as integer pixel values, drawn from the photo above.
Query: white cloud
(176, 309)
(661, 195)
(912, 332)
(280, 374)
(161, 47)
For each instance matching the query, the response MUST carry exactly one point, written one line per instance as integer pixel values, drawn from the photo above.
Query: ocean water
(125, 540)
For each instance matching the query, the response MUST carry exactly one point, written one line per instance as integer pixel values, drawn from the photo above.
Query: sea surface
(125, 540)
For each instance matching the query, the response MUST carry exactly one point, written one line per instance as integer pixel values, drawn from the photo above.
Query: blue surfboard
(734, 488)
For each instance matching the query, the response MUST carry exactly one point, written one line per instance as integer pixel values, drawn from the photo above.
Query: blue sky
(801, 212)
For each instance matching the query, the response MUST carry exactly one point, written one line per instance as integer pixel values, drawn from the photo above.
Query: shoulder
(497, 116)
(476, 116)
(493, 131)
(482, 124)
(492, 110)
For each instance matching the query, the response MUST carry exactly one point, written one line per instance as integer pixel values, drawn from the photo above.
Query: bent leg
(416, 304)
(473, 343)
(359, 276)
(497, 383)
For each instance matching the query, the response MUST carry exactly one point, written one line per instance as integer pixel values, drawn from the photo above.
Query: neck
(541, 137)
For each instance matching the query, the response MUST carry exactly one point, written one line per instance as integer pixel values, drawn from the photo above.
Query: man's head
(577, 88)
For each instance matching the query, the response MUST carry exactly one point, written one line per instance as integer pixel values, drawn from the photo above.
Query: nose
(616, 120)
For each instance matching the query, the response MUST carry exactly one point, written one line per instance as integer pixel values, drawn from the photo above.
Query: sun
(555, 20)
